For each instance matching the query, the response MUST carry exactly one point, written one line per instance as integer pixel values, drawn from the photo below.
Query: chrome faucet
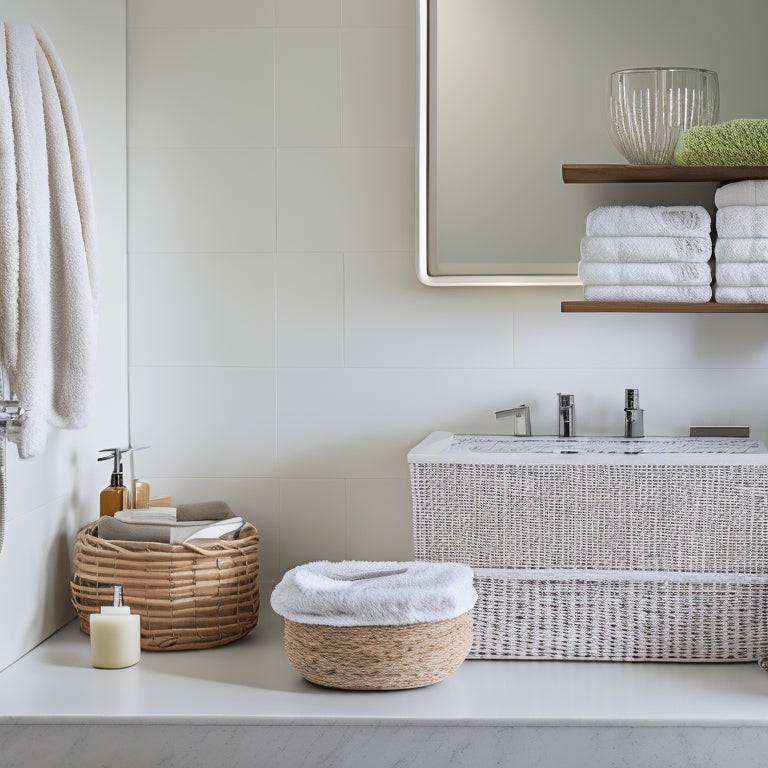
(566, 416)
(633, 414)
(520, 412)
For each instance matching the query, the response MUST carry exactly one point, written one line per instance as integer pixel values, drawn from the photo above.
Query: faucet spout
(566, 415)
(520, 412)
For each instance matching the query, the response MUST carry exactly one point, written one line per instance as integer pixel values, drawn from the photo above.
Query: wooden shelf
(617, 173)
(660, 307)
(613, 173)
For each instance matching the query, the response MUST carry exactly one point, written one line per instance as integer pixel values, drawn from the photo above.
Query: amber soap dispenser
(115, 496)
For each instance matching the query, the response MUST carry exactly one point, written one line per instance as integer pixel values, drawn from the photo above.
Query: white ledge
(250, 682)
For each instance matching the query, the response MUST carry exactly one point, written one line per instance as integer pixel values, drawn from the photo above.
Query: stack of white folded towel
(647, 253)
(741, 248)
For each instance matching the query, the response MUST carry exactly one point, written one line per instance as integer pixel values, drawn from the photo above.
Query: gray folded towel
(173, 533)
(203, 510)
(115, 530)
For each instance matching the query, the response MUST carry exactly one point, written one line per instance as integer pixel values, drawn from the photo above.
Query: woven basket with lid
(194, 595)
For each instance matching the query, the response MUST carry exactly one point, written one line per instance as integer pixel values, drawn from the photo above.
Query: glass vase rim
(632, 70)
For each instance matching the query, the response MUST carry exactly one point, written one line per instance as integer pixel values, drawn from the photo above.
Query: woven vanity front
(612, 556)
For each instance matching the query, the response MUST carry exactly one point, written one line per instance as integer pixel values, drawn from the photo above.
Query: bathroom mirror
(475, 169)
(512, 89)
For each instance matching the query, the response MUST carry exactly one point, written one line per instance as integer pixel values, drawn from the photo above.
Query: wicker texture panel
(684, 518)
(193, 595)
(612, 619)
(378, 657)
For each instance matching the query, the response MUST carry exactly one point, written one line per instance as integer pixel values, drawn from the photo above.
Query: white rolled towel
(742, 221)
(742, 274)
(624, 220)
(697, 294)
(741, 249)
(640, 249)
(344, 594)
(741, 294)
(748, 192)
(681, 273)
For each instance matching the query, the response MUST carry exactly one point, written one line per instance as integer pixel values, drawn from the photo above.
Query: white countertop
(250, 682)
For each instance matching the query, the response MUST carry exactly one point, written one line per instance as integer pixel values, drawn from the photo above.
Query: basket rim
(248, 536)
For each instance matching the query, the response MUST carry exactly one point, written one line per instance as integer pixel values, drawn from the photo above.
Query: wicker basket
(378, 657)
(188, 595)
(619, 561)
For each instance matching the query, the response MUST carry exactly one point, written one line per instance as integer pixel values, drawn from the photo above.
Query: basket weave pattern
(189, 596)
(669, 560)
(378, 657)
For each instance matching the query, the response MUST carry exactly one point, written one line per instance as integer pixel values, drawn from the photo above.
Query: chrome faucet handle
(12, 414)
(520, 412)
(633, 414)
(566, 415)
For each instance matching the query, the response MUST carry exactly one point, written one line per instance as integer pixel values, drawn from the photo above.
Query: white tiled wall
(51, 495)
(283, 355)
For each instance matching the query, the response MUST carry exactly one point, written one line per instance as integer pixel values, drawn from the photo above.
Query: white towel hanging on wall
(47, 241)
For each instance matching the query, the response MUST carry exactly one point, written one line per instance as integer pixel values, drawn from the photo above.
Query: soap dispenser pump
(115, 496)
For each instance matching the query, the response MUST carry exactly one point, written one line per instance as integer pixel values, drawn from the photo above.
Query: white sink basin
(610, 445)
(507, 449)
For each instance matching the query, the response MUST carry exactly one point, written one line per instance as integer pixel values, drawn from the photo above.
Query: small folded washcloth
(736, 142)
(628, 220)
(696, 294)
(740, 294)
(741, 249)
(151, 515)
(679, 274)
(346, 594)
(742, 274)
(640, 249)
(203, 510)
(742, 221)
(748, 192)
(169, 533)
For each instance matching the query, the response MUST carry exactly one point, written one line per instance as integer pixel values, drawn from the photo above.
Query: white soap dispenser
(115, 634)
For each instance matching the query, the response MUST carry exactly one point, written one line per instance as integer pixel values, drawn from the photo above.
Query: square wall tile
(202, 309)
(358, 423)
(378, 71)
(308, 87)
(308, 13)
(37, 596)
(419, 326)
(548, 338)
(201, 87)
(345, 199)
(379, 520)
(204, 421)
(203, 200)
(310, 309)
(312, 521)
(379, 13)
(200, 13)
(253, 499)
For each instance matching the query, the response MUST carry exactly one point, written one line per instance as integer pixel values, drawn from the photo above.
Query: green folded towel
(737, 142)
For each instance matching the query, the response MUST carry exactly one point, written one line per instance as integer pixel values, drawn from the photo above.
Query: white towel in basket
(346, 594)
